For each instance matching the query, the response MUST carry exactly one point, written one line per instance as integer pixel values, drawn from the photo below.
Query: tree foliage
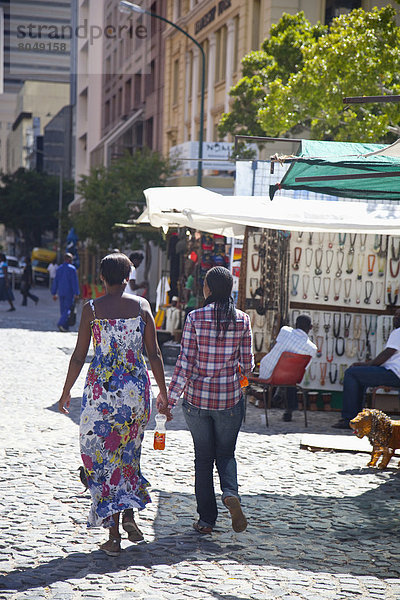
(115, 194)
(29, 203)
(279, 57)
(358, 55)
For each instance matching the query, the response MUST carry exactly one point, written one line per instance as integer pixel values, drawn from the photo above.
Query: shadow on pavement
(355, 535)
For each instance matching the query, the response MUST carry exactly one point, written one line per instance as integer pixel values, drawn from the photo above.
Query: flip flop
(239, 521)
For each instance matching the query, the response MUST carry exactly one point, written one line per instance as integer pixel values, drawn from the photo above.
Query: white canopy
(198, 208)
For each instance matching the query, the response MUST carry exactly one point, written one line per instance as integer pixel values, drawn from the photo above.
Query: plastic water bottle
(159, 432)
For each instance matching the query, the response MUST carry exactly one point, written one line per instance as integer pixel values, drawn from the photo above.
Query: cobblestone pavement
(321, 525)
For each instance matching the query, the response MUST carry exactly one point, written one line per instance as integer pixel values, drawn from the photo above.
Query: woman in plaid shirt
(216, 339)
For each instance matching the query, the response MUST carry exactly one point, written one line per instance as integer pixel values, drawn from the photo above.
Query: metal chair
(288, 373)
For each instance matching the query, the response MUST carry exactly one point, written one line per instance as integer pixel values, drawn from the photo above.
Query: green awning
(345, 169)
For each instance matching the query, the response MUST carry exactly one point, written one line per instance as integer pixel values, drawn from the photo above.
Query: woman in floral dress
(116, 400)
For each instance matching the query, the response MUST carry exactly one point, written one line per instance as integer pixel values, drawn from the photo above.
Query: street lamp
(128, 7)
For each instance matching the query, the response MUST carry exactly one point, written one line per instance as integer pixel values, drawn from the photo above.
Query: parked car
(14, 270)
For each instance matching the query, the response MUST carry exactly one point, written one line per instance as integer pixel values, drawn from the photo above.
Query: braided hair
(220, 282)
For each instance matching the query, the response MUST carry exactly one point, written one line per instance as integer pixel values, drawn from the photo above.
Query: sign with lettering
(209, 17)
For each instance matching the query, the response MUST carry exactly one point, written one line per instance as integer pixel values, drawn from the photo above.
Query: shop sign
(216, 152)
(209, 17)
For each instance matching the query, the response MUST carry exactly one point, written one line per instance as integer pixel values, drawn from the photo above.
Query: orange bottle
(159, 432)
(244, 382)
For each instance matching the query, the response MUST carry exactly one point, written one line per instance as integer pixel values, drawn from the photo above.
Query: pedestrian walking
(52, 269)
(136, 259)
(6, 292)
(216, 341)
(67, 286)
(26, 283)
(116, 400)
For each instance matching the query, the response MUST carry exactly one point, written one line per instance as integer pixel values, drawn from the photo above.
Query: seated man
(289, 340)
(384, 370)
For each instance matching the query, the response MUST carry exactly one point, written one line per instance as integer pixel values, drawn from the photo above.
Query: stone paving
(321, 525)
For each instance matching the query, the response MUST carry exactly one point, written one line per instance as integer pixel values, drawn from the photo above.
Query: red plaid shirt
(207, 369)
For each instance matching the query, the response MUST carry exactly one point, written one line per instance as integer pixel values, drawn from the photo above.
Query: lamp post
(128, 7)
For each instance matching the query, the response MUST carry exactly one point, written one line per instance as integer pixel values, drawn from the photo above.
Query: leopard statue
(382, 432)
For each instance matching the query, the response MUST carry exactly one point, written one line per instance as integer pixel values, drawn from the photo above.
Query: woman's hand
(63, 403)
(162, 406)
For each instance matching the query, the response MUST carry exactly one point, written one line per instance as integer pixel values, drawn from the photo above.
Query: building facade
(227, 30)
(7, 115)
(37, 103)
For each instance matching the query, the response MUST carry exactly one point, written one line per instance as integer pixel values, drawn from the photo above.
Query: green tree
(29, 203)
(279, 57)
(115, 194)
(358, 55)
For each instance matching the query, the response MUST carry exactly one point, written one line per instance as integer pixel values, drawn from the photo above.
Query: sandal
(129, 525)
(204, 529)
(239, 521)
(112, 547)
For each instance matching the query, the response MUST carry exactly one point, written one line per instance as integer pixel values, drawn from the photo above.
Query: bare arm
(136, 286)
(378, 360)
(155, 358)
(77, 359)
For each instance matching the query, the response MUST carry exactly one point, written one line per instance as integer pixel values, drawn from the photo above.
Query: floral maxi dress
(115, 411)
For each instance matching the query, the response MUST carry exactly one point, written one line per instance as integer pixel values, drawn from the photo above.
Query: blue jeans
(65, 307)
(356, 379)
(214, 434)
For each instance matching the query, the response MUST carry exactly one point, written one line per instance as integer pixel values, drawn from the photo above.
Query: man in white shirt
(384, 370)
(172, 316)
(289, 340)
(136, 259)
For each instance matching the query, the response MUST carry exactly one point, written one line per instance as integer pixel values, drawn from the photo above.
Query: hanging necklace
(394, 273)
(347, 291)
(332, 375)
(337, 324)
(360, 349)
(317, 286)
(331, 239)
(353, 237)
(323, 367)
(299, 237)
(350, 261)
(260, 320)
(297, 257)
(363, 239)
(329, 356)
(339, 349)
(319, 342)
(382, 251)
(256, 240)
(395, 254)
(306, 284)
(327, 322)
(360, 265)
(347, 323)
(369, 286)
(337, 286)
(255, 265)
(315, 323)
(329, 260)
(350, 348)
(379, 290)
(295, 314)
(371, 264)
(342, 369)
(358, 291)
(376, 242)
(392, 301)
(385, 328)
(342, 240)
(309, 257)
(295, 283)
(327, 287)
(339, 261)
(310, 237)
(318, 260)
(357, 327)
(381, 265)
(258, 341)
(320, 239)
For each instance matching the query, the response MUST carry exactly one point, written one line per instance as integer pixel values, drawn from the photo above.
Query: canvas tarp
(338, 161)
(198, 208)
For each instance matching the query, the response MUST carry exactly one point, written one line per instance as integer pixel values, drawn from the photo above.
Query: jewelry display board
(347, 283)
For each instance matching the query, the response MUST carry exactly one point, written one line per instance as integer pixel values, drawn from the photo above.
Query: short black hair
(303, 322)
(136, 256)
(115, 268)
